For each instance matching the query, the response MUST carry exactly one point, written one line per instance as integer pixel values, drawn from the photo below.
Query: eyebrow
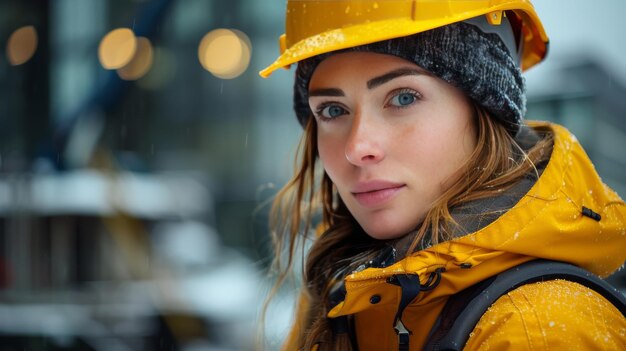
(326, 92)
(371, 84)
(401, 72)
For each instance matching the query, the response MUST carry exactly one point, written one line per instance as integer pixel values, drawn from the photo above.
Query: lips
(376, 193)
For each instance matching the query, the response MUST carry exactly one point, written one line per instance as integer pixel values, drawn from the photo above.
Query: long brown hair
(502, 163)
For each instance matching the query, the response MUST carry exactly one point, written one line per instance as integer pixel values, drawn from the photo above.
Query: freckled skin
(422, 145)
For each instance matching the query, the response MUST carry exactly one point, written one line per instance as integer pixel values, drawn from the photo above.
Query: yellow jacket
(546, 223)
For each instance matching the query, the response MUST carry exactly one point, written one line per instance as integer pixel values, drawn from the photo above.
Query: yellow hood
(546, 223)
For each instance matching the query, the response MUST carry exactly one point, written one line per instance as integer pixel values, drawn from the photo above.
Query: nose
(363, 145)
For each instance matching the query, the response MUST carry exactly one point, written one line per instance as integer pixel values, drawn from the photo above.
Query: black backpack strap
(464, 309)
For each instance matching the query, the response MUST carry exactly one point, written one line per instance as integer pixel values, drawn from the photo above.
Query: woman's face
(391, 137)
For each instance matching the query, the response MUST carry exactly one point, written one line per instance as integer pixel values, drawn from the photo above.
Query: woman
(428, 180)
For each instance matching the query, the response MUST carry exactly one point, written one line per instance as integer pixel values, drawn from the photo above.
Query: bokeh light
(246, 46)
(21, 45)
(141, 62)
(117, 48)
(225, 53)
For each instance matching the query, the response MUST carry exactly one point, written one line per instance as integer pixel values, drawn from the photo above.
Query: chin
(387, 226)
(381, 232)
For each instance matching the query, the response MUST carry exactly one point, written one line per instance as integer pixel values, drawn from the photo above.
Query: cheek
(454, 150)
(438, 149)
(463, 132)
(331, 154)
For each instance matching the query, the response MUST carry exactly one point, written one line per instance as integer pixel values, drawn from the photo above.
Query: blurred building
(128, 195)
(589, 100)
(119, 261)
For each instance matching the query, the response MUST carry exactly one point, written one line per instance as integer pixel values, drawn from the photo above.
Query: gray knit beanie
(461, 54)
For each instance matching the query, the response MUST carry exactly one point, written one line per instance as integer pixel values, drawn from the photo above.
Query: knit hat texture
(461, 54)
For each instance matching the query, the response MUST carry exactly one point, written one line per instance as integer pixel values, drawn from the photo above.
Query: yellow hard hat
(315, 27)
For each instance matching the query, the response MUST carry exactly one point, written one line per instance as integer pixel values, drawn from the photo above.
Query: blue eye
(330, 111)
(403, 99)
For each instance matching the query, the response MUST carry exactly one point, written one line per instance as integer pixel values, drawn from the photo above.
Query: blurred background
(139, 147)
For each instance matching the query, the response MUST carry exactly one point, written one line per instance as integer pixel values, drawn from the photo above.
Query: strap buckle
(403, 335)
